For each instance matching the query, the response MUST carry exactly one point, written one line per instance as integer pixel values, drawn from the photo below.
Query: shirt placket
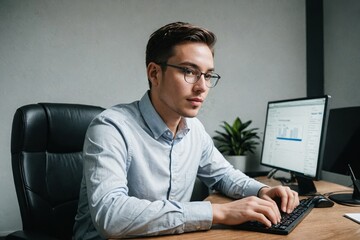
(175, 172)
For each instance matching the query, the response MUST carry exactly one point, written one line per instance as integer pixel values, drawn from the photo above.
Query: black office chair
(46, 147)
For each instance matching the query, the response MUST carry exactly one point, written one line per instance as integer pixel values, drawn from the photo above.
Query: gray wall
(92, 52)
(342, 52)
(341, 59)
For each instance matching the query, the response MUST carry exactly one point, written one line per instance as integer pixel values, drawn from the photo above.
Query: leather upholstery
(46, 148)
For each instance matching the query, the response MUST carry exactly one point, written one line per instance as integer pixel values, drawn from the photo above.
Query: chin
(190, 114)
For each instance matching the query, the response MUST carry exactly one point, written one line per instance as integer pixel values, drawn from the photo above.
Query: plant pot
(239, 162)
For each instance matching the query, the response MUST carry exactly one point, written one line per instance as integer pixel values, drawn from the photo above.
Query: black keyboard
(288, 221)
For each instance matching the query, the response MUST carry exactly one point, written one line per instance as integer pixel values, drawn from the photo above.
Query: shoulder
(121, 112)
(118, 116)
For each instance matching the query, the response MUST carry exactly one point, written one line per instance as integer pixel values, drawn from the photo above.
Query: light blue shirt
(138, 178)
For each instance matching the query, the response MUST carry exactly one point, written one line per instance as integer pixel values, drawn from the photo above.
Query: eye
(208, 76)
(190, 72)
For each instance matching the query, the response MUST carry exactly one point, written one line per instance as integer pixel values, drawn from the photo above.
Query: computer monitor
(342, 150)
(293, 139)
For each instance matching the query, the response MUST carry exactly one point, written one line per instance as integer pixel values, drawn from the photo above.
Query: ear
(153, 73)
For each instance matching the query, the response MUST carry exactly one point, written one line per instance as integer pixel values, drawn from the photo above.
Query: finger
(274, 207)
(287, 198)
(289, 201)
(281, 193)
(262, 219)
(293, 202)
(269, 210)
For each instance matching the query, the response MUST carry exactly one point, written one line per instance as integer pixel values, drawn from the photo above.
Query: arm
(255, 199)
(263, 208)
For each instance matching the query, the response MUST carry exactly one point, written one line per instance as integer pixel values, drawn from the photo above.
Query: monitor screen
(342, 141)
(341, 152)
(293, 135)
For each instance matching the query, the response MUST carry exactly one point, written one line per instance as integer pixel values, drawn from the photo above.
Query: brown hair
(162, 42)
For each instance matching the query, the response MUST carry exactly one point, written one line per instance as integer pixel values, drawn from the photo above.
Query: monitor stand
(349, 198)
(345, 199)
(301, 184)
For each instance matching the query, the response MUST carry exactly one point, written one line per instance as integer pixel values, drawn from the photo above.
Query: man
(141, 159)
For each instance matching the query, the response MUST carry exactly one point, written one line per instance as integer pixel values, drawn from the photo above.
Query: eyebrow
(196, 66)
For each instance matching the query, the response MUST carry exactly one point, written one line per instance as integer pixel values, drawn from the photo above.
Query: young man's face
(172, 96)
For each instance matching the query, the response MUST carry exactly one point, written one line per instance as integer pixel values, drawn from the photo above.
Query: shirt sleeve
(114, 213)
(236, 184)
(217, 173)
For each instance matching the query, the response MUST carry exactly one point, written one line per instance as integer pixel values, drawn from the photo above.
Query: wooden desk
(321, 223)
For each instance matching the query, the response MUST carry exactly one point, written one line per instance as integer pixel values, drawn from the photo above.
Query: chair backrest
(46, 147)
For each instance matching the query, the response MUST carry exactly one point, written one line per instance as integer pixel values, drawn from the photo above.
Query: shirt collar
(154, 121)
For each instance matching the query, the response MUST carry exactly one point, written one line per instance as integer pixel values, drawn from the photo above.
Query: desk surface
(321, 223)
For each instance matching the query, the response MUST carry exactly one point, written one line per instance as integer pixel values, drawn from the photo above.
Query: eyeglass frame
(185, 69)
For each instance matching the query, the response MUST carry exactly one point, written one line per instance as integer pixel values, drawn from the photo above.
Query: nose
(200, 85)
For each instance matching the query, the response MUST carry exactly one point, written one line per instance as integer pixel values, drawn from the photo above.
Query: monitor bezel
(321, 144)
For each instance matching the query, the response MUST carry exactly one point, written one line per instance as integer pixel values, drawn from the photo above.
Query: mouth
(196, 101)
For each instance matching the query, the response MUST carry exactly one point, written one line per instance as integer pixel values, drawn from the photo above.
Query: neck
(171, 120)
(173, 127)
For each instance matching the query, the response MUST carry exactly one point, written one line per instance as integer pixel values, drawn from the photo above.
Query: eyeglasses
(192, 75)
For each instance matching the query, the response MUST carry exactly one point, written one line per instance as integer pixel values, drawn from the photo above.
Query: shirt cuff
(198, 216)
(253, 188)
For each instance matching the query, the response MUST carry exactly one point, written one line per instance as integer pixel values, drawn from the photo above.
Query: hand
(289, 198)
(247, 209)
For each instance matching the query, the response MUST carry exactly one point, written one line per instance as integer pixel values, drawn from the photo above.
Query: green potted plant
(236, 140)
